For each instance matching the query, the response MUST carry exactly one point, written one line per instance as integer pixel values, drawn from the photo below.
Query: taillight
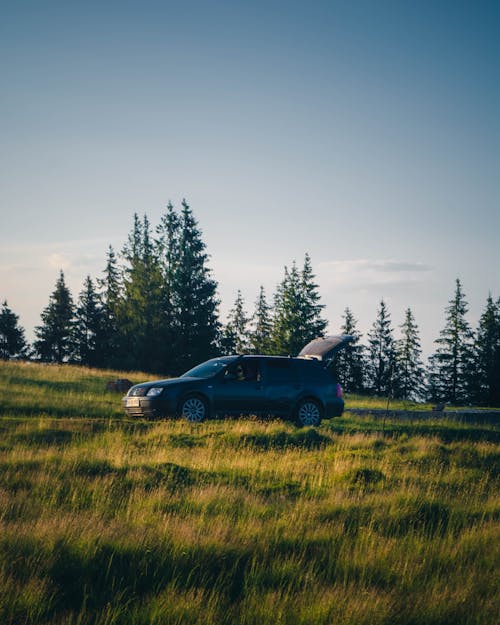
(339, 391)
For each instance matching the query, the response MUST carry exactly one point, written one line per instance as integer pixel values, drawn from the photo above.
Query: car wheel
(309, 412)
(194, 409)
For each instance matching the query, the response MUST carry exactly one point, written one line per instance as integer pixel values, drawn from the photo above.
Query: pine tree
(110, 294)
(12, 340)
(410, 382)
(286, 319)
(89, 327)
(313, 323)
(54, 337)
(260, 338)
(349, 363)
(194, 298)
(450, 365)
(169, 254)
(227, 340)
(237, 330)
(381, 356)
(487, 355)
(160, 307)
(168, 243)
(140, 309)
(297, 311)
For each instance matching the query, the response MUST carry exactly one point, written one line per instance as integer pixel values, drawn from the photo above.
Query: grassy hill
(108, 520)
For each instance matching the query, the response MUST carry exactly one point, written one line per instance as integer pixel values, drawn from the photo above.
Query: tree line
(156, 309)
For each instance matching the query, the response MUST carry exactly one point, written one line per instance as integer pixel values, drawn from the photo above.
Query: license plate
(132, 402)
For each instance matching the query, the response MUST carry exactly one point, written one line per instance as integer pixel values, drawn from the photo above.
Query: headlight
(154, 391)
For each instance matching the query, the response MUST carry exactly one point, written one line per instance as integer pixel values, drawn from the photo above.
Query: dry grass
(104, 520)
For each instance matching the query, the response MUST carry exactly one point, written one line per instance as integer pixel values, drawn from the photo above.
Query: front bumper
(146, 407)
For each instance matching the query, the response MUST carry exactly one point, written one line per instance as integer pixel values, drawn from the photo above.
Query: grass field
(106, 520)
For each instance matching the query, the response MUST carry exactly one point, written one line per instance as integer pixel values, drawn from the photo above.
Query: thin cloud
(372, 274)
(84, 254)
(59, 261)
(392, 265)
(50, 245)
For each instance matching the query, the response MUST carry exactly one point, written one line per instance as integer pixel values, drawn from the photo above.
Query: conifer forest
(155, 308)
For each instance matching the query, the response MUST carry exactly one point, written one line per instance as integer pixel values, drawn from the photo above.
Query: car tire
(194, 409)
(309, 412)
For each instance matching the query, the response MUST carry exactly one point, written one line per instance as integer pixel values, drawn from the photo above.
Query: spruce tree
(140, 308)
(168, 244)
(410, 381)
(54, 342)
(487, 355)
(237, 330)
(297, 311)
(450, 365)
(227, 340)
(314, 324)
(89, 327)
(109, 296)
(260, 337)
(287, 326)
(169, 254)
(194, 298)
(381, 355)
(350, 362)
(12, 340)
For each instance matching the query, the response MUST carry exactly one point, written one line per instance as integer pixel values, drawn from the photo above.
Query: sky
(364, 133)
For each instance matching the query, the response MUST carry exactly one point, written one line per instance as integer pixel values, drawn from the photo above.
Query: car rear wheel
(309, 412)
(194, 409)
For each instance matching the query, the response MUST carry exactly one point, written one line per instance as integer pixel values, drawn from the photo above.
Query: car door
(282, 385)
(240, 390)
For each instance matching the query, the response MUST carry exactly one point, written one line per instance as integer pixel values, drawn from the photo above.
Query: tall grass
(107, 520)
(30, 389)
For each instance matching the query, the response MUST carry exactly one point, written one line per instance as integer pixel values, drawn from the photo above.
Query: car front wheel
(309, 412)
(194, 409)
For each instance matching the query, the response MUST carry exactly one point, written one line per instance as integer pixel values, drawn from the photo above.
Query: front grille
(141, 412)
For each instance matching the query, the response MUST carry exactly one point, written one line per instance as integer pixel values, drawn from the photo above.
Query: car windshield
(209, 368)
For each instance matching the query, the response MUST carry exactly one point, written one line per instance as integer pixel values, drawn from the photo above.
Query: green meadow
(106, 520)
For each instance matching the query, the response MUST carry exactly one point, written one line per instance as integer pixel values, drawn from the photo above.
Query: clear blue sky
(365, 133)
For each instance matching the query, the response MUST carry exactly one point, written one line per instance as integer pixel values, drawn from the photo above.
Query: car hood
(325, 348)
(167, 382)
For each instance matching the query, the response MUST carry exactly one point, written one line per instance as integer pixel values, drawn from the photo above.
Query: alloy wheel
(309, 413)
(194, 409)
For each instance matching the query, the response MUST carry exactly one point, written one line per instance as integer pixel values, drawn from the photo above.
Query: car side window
(313, 372)
(244, 371)
(279, 372)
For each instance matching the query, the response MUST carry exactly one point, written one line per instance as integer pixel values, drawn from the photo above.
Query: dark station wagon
(303, 388)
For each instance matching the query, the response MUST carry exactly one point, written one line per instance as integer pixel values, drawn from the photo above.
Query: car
(303, 388)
